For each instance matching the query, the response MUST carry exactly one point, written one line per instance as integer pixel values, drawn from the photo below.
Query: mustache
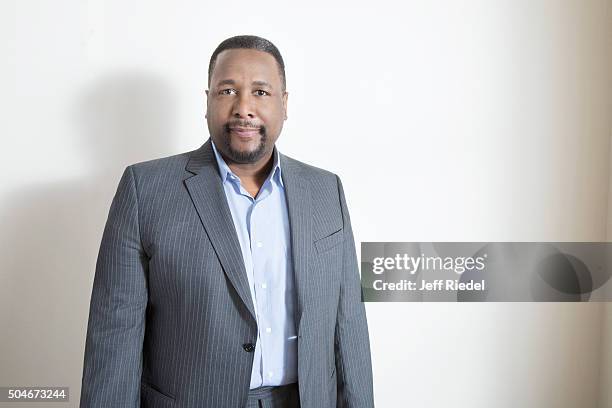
(244, 124)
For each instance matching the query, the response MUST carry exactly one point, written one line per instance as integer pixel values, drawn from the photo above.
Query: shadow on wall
(51, 232)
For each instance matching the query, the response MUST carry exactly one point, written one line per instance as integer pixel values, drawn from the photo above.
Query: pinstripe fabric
(171, 309)
(284, 396)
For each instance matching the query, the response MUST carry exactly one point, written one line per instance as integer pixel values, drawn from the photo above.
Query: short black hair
(251, 42)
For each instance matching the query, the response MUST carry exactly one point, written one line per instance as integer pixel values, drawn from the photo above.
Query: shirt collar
(226, 172)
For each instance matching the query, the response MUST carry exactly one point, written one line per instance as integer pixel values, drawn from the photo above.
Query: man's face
(246, 105)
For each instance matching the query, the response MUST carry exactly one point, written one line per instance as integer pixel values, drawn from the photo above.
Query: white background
(447, 121)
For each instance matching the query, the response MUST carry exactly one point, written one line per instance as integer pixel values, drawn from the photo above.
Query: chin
(245, 147)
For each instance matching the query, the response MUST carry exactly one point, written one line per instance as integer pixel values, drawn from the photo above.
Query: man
(227, 276)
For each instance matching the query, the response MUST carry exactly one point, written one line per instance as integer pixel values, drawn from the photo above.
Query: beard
(245, 157)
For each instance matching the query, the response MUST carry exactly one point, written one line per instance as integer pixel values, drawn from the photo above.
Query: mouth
(244, 132)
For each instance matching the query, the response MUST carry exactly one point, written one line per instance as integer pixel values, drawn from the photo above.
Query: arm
(352, 344)
(113, 349)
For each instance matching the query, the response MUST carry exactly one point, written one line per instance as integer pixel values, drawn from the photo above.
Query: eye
(228, 91)
(261, 92)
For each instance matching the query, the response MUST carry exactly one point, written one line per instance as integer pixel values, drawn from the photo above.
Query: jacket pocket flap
(329, 241)
(150, 392)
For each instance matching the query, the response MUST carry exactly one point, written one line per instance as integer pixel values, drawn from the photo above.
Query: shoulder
(152, 176)
(162, 164)
(319, 178)
(326, 195)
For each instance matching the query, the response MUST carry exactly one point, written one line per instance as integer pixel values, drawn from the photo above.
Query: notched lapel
(209, 199)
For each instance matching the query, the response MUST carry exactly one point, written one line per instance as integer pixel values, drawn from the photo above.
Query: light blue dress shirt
(262, 226)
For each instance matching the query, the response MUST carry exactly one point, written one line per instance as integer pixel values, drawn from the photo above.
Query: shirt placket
(262, 288)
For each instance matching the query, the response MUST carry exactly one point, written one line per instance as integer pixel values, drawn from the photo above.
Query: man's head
(246, 99)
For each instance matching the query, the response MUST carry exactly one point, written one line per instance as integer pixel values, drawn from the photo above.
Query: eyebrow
(261, 83)
(226, 82)
(232, 82)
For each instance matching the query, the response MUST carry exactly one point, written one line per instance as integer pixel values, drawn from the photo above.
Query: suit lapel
(208, 196)
(297, 192)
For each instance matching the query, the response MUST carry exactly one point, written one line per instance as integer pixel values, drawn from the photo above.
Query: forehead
(246, 64)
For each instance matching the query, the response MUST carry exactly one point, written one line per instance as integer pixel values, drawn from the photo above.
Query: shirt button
(263, 286)
(259, 244)
(268, 330)
(270, 374)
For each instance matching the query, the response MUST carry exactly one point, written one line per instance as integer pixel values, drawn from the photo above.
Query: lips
(244, 131)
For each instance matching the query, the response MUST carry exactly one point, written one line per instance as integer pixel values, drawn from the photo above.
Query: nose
(243, 108)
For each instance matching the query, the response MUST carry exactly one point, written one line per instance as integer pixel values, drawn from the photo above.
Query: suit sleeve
(352, 345)
(113, 349)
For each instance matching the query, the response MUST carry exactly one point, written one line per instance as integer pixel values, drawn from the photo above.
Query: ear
(206, 114)
(285, 97)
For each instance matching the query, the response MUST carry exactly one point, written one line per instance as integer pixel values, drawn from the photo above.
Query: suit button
(248, 347)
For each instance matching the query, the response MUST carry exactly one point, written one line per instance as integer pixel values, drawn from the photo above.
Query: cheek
(218, 113)
(219, 106)
(272, 114)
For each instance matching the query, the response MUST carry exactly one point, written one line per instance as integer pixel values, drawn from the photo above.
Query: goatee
(243, 157)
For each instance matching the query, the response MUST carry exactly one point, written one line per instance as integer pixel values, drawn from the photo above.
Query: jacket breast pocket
(151, 397)
(326, 243)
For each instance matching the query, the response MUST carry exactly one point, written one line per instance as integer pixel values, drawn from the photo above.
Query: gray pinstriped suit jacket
(171, 309)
